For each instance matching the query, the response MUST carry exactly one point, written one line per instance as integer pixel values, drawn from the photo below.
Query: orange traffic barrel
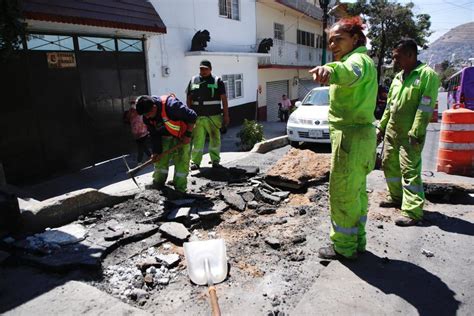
(434, 118)
(456, 142)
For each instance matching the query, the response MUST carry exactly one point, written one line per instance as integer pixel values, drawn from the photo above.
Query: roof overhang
(139, 16)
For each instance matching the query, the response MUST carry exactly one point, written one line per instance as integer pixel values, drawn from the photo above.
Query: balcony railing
(291, 54)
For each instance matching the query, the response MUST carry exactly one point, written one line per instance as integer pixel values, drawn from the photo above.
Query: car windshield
(317, 97)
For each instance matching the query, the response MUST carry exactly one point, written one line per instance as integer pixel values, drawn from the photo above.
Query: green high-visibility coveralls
(205, 93)
(410, 106)
(209, 125)
(180, 158)
(352, 96)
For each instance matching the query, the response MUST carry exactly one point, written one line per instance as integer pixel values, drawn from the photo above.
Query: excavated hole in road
(445, 193)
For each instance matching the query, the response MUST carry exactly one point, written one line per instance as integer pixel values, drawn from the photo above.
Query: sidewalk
(107, 175)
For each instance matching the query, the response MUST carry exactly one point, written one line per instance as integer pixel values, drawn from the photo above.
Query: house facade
(231, 50)
(295, 26)
(65, 93)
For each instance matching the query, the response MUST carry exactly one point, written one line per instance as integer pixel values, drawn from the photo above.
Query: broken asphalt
(421, 270)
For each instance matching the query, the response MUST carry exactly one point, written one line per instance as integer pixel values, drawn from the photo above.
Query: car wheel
(295, 144)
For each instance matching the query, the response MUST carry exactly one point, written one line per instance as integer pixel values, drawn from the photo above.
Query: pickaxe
(132, 172)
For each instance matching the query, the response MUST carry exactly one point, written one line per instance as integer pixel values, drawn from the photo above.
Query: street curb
(269, 145)
(66, 208)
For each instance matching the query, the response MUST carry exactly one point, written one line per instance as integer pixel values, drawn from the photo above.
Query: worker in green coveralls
(205, 93)
(352, 98)
(410, 105)
(170, 122)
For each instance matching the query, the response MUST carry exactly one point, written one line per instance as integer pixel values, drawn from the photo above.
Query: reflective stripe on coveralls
(353, 94)
(175, 128)
(180, 158)
(207, 102)
(412, 102)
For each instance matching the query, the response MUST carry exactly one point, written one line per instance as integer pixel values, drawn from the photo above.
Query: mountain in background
(458, 41)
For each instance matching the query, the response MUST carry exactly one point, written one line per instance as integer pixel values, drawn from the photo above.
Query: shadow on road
(447, 223)
(423, 290)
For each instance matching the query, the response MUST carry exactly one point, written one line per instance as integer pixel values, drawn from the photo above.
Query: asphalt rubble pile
(136, 245)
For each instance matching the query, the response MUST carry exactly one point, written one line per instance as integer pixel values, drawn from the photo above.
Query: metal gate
(63, 109)
(305, 86)
(275, 90)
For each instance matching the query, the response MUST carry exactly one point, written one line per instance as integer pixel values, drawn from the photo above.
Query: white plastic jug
(198, 253)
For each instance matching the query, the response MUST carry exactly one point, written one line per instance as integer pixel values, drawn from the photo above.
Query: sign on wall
(61, 60)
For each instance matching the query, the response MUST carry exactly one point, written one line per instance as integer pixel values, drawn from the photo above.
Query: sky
(445, 14)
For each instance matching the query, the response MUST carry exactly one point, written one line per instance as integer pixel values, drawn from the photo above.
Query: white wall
(183, 18)
(268, 15)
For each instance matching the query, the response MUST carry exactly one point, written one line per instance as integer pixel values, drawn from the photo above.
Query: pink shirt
(286, 104)
(139, 128)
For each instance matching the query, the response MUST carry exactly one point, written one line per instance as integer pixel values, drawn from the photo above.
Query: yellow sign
(61, 60)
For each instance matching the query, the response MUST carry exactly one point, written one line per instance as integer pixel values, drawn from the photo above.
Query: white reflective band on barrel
(180, 174)
(215, 148)
(425, 108)
(396, 179)
(207, 102)
(456, 146)
(164, 171)
(198, 150)
(344, 230)
(414, 188)
(457, 127)
(363, 219)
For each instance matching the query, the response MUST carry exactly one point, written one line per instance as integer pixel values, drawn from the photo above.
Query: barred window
(279, 31)
(305, 38)
(50, 42)
(130, 45)
(229, 9)
(98, 44)
(233, 85)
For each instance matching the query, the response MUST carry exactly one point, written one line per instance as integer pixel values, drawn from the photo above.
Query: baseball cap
(205, 64)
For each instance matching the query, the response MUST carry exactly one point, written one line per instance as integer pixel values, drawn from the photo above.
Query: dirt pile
(299, 168)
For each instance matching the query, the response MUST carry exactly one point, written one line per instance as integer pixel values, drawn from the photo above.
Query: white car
(309, 122)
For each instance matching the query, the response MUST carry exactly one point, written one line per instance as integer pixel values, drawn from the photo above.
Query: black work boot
(405, 221)
(330, 253)
(389, 203)
(194, 166)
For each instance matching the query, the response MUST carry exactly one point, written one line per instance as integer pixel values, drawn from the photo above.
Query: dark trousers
(285, 115)
(142, 147)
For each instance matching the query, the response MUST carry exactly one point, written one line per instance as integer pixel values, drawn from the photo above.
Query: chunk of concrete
(233, 199)
(179, 214)
(248, 196)
(170, 260)
(175, 231)
(264, 210)
(66, 208)
(261, 195)
(281, 194)
(273, 242)
(220, 206)
(64, 235)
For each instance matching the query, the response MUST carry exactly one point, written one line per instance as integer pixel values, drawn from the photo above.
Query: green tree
(12, 28)
(389, 22)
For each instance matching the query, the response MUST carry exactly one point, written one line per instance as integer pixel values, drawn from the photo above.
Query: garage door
(275, 90)
(305, 86)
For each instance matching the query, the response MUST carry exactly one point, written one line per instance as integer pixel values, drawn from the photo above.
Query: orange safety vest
(175, 128)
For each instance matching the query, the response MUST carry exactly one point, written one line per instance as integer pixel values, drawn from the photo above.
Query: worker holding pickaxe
(170, 123)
